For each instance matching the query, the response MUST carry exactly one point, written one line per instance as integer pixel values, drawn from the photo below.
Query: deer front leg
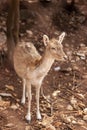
(24, 91)
(28, 116)
(37, 101)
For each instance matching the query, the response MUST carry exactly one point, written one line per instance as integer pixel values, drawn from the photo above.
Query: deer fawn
(32, 67)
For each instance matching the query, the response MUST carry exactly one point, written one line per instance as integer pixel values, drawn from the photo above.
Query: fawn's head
(55, 47)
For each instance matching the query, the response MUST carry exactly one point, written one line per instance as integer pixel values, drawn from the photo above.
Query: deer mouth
(63, 58)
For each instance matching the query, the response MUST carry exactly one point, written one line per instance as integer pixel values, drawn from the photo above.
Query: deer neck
(46, 62)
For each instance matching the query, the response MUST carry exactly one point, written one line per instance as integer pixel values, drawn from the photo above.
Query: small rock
(66, 45)
(80, 95)
(56, 32)
(72, 61)
(83, 58)
(41, 49)
(85, 111)
(85, 117)
(73, 100)
(57, 68)
(84, 76)
(14, 107)
(69, 69)
(82, 45)
(68, 119)
(75, 68)
(21, 34)
(69, 107)
(78, 58)
(55, 93)
(81, 122)
(6, 70)
(29, 32)
(74, 122)
(82, 55)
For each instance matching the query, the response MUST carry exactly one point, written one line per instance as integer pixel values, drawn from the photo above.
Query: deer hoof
(28, 117)
(22, 101)
(39, 116)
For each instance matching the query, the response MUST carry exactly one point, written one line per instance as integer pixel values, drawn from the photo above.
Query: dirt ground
(65, 86)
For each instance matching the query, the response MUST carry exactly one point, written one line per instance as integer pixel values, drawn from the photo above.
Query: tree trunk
(12, 28)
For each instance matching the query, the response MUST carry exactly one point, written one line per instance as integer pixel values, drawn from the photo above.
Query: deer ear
(61, 37)
(45, 40)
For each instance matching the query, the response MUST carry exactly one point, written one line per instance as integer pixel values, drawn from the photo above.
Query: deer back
(25, 56)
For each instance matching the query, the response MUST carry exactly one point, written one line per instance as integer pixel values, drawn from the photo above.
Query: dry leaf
(4, 103)
(80, 112)
(5, 95)
(28, 128)
(57, 123)
(9, 125)
(55, 93)
(50, 127)
(10, 87)
(46, 120)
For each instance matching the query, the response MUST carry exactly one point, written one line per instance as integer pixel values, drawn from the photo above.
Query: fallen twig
(5, 95)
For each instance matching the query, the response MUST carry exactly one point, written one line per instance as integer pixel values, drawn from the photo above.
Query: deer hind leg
(37, 101)
(42, 92)
(24, 91)
(28, 116)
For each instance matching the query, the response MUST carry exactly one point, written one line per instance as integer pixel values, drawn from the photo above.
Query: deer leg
(42, 92)
(24, 90)
(26, 93)
(37, 102)
(28, 116)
